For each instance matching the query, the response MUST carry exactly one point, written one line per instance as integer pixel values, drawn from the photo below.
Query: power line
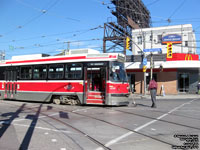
(42, 10)
(169, 19)
(55, 34)
(57, 43)
(33, 18)
(152, 3)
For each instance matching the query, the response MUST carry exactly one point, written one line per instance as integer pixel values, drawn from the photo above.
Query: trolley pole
(2, 56)
(67, 50)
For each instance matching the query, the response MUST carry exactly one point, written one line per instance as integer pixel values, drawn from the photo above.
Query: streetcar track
(130, 130)
(110, 123)
(68, 125)
(172, 114)
(144, 116)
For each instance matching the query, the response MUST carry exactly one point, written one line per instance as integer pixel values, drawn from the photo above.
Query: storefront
(177, 75)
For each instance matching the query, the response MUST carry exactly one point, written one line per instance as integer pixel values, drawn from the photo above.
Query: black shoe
(153, 106)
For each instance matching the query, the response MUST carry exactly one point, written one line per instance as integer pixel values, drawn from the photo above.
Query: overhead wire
(55, 34)
(33, 18)
(51, 13)
(57, 43)
(152, 3)
(179, 7)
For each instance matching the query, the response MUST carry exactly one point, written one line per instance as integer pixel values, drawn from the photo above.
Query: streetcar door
(95, 85)
(11, 83)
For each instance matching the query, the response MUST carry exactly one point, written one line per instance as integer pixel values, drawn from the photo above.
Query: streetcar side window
(40, 72)
(2, 73)
(26, 72)
(56, 71)
(73, 71)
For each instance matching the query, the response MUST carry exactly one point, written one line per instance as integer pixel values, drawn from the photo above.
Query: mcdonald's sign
(188, 57)
(183, 56)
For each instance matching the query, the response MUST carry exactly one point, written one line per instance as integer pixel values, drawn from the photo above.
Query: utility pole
(144, 46)
(151, 62)
(151, 66)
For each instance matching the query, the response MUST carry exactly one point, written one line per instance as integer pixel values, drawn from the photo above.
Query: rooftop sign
(153, 50)
(172, 38)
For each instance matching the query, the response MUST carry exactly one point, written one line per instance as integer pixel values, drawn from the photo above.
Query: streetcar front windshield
(118, 73)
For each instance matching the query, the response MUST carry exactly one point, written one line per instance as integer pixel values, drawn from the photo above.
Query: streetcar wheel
(56, 101)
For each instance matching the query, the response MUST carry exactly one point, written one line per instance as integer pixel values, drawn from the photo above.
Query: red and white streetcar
(90, 78)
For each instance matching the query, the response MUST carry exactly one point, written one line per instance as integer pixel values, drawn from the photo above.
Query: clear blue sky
(44, 26)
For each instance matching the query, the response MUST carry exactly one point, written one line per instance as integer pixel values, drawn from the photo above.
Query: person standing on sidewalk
(153, 91)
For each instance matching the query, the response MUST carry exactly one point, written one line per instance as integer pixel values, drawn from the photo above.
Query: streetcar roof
(28, 60)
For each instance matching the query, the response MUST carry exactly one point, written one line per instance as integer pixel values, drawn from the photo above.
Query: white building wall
(148, 38)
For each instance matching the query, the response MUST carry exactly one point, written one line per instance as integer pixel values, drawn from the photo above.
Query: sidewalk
(176, 96)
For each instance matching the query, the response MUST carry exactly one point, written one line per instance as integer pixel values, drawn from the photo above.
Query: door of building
(131, 78)
(183, 82)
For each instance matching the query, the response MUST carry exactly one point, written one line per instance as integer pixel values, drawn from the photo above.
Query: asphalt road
(174, 124)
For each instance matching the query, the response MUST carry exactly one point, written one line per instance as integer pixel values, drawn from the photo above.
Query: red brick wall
(167, 79)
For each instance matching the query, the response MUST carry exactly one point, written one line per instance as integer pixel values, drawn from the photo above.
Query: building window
(150, 38)
(186, 43)
(139, 39)
(56, 71)
(159, 38)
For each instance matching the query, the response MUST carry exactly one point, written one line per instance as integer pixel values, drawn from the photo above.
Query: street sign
(153, 50)
(144, 61)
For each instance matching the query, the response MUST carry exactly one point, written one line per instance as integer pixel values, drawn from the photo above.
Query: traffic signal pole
(151, 66)
(145, 81)
(144, 46)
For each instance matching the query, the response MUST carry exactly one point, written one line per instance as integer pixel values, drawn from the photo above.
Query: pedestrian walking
(153, 91)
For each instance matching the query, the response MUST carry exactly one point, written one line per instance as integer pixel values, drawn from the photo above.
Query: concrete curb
(179, 96)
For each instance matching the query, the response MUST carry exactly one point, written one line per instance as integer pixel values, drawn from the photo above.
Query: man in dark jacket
(153, 91)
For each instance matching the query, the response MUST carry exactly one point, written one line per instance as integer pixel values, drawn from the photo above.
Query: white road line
(16, 120)
(143, 126)
(53, 140)
(41, 128)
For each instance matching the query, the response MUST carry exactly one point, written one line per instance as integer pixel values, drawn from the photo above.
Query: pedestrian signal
(169, 50)
(128, 43)
(144, 68)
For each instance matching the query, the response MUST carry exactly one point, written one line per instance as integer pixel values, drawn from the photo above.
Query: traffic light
(128, 43)
(144, 69)
(169, 50)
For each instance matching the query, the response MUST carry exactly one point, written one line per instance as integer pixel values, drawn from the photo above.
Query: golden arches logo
(188, 57)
